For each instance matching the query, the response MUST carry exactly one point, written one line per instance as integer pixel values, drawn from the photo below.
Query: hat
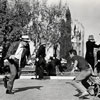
(91, 37)
(25, 38)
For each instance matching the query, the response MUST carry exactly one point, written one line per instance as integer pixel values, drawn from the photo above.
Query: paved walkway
(48, 89)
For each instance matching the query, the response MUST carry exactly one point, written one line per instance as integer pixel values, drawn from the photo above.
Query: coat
(12, 50)
(90, 52)
(25, 55)
(41, 52)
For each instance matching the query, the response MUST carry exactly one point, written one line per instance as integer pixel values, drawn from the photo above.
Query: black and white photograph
(49, 50)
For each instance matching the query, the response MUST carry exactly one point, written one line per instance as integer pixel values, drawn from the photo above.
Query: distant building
(78, 37)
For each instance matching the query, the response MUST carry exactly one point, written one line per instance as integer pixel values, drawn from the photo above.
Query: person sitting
(51, 67)
(40, 60)
(15, 59)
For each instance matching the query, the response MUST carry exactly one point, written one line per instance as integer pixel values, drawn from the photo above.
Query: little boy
(85, 71)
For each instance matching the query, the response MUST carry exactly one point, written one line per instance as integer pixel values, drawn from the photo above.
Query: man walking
(15, 58)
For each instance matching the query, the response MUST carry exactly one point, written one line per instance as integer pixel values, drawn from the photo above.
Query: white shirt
(19, 51)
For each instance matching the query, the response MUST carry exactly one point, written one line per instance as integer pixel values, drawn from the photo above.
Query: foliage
(46, 22)
(53, 24)
(12, 20)
(65, 30)
(50, 23)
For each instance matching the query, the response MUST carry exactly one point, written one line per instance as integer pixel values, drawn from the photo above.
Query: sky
(87, 13)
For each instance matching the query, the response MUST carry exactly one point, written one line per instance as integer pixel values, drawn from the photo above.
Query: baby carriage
(94, 85)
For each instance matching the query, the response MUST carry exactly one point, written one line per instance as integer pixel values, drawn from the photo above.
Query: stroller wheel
(96, 90)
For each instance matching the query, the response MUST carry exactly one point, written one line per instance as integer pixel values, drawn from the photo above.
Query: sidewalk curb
(45, 77)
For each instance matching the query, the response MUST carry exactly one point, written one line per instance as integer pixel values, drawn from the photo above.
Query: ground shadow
(1, 82)
(27, 88)
(78, 94)
(83, 98)
(69, 83)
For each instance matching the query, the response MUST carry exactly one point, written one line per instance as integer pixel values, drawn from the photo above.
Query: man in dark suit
(90, 45)
(15, 58)
(40, 60)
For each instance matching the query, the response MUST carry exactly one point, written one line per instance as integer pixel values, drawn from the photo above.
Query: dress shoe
(84, 94)
(9, 92)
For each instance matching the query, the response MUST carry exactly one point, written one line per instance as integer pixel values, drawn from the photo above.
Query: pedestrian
(90, 45)
(97, 66)
(40, 60)
(15, 59)
(84, 69)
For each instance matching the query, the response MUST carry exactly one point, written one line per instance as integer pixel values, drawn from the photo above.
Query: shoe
(84, 94)
(91, 90)
(78, 94)
(9, 92)
(5, 82)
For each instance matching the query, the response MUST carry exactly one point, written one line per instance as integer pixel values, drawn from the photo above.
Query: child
(85, 71)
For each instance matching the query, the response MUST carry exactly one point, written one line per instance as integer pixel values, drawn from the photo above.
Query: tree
(12, 21)
(65, 29)
(46, 21)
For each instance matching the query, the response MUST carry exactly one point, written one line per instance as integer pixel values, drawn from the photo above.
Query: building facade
(77, 37)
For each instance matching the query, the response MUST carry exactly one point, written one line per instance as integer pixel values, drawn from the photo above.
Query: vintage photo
(49, 50)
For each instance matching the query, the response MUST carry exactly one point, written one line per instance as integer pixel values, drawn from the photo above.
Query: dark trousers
(40, 67)
(90, 60)
(97, 66)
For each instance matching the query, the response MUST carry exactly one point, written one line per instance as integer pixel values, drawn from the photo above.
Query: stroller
(94, 84)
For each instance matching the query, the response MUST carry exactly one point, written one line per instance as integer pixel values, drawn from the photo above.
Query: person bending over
(85, 71)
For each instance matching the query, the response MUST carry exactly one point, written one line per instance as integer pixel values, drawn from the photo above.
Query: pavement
(46, 89)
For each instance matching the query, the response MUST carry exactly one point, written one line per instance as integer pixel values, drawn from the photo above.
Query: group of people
(44, 67)
(19, 51)
(16, 59)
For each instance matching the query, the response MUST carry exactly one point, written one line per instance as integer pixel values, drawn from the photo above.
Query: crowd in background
(19, 52)
(54, 61)
(43, 64)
